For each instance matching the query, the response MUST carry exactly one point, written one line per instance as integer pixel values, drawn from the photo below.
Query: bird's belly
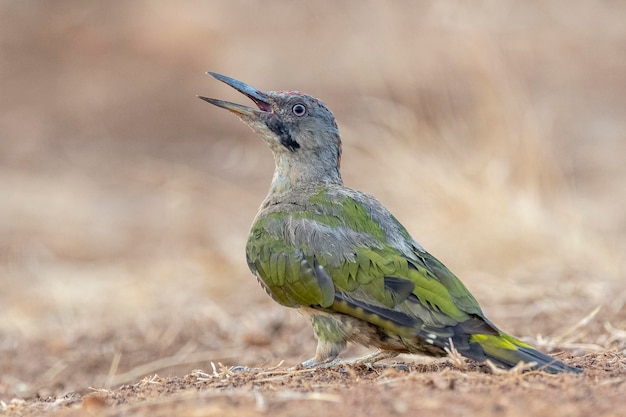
(358, 331)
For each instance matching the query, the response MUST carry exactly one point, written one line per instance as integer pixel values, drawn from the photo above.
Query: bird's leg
(331, 341)
(325, 355)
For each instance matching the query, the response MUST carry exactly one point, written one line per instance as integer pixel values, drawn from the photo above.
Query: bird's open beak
(260, 98)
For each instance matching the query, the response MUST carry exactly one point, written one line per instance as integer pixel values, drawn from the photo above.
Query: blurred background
(494, 130)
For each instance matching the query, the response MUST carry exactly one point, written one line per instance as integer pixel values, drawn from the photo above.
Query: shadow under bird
(343, 259)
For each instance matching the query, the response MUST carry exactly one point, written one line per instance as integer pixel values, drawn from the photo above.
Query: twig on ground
(455, 357)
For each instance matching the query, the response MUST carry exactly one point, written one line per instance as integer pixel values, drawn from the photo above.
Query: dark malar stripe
(279, 128)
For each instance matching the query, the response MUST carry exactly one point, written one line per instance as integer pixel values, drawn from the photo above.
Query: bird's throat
(289, 175)
(280, 183)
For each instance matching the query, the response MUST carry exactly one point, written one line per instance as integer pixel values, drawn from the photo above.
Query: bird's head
(299, 129)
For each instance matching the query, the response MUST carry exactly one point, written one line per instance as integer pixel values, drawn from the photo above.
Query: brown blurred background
(495, 131)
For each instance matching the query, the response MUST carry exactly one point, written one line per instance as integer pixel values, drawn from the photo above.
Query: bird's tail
(504, 350)
(507, 352)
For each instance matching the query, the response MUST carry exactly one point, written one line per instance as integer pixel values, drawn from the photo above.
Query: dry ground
(495, 131)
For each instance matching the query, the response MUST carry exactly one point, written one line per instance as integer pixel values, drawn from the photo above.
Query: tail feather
(480, 340)
(507, 352)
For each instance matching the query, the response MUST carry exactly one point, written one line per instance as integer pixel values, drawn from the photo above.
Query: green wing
(287, 274)
(332, 254)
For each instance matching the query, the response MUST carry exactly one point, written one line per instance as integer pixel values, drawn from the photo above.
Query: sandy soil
(494, 131)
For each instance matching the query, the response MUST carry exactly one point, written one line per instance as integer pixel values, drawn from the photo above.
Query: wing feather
(369, 264)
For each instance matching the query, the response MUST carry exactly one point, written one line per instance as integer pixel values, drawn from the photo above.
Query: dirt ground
(495, 131)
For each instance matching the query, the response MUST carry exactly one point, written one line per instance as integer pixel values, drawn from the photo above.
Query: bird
(345, 262)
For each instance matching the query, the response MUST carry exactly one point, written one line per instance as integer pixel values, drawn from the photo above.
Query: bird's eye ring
(299, 109)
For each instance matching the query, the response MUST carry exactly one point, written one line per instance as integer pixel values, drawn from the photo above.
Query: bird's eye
(299, 109)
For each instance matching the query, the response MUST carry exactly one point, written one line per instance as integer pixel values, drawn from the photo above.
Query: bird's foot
(367, 360)
(312, 363)
(371, 358)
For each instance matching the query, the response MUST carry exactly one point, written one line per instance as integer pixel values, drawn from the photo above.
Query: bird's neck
(291, 174)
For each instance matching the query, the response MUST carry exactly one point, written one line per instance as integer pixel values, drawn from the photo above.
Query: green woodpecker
(343, 259)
